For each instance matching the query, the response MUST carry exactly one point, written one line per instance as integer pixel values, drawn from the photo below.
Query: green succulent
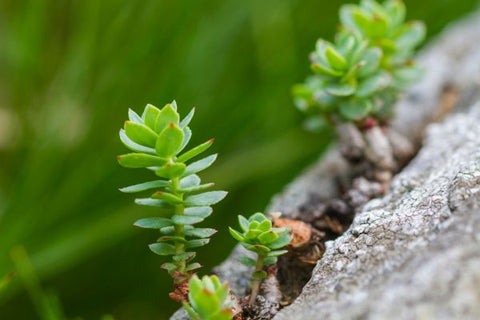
(384, 25)
(208, 299)
(158, 139)
(362, 74)
(347, 78)
(259, 236)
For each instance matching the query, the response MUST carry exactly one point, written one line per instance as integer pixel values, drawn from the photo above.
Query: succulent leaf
(167, 115)
(335, 59)
(236, 235)
(193, 266)
(268, 261)
(169, 141)
(190, 181)
(153, 223)
(167, 197)
(243, 222)
(249, 262)
(145, 186)
(200, 165)
(153, 203)
(205, 199)
(200, 232)
(140, 133)
(162, 249)
(195, 151)
(186, 256)
(171, 170)
(130, 144)
(150, 116)
(355, 109)
(186, 121)
(139, 160)
(198, 211)
(197, 243)
(187, 135)
(134, 117)
(197, 188)
(208, 299)
(186, 220)
(259, 275)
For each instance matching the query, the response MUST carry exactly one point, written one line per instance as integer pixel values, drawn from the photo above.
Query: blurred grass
(70, 69)
(46, 304)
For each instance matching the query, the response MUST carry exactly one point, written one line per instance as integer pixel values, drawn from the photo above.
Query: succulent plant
(385, 27)
(347, 78)
(259, 236)
(208, 299)
(158, 139)
(364, 71)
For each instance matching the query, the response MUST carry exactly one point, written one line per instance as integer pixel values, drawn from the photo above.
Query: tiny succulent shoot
(208, 299)
(362, 73)
(258, 235)
(157, 140)
(385, 27)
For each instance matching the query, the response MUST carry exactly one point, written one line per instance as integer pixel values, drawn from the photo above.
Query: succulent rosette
(362, 73)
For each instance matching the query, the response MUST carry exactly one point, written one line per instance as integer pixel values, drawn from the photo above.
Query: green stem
(256, 282)
(179, 246)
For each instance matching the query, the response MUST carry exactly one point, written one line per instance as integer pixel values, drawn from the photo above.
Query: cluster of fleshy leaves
(258, 235)
(208, 299)
(362, 73)
(158, 139)
(385, 27)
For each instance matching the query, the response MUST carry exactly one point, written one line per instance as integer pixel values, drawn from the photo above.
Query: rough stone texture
(415, 253)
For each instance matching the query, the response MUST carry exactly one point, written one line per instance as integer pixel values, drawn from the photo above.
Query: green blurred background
(68, 72)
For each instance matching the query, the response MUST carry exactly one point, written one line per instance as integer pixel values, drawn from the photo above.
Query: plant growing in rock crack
(158, 139)
(362, 73)
(259, 236)
(208, 299)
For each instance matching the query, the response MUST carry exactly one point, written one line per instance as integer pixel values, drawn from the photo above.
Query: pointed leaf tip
(200, 165)
(169, 140)
(195, 151)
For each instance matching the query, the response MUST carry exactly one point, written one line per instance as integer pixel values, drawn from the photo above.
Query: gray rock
(415, 253)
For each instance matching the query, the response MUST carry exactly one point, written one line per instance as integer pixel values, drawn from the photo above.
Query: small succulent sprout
(347, 78)
(384, 25)
(157, 140)
(208, 299)
(258, 235)
(362, 73)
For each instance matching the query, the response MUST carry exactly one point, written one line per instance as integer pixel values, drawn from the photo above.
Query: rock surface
(415, 253)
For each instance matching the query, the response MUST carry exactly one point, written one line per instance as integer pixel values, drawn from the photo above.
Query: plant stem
(179, 247)
(256, 282)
